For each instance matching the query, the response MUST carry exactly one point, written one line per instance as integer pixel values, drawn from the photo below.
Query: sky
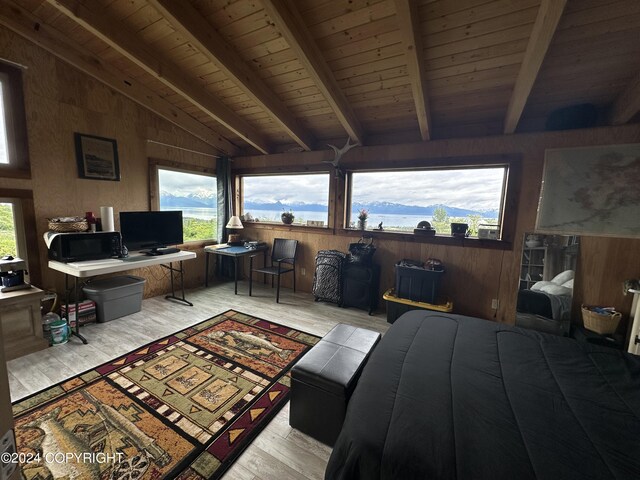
(465, 188)
(181, 183)
(477, 188)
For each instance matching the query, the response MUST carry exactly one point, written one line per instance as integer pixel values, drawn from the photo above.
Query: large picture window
(400, 199)
(193, 193)
(266, 197)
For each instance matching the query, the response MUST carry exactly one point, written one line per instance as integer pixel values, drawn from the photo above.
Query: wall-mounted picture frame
(591, 191)
(97, 157)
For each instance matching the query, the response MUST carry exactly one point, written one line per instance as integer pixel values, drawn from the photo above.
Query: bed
(450, 397)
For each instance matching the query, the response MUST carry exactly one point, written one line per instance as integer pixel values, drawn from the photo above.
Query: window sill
(473, 242)
(288, 228)
(11, 171)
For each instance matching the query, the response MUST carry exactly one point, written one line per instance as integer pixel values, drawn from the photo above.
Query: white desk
(92, 268)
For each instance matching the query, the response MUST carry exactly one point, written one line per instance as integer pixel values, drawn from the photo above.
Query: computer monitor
(151, 230)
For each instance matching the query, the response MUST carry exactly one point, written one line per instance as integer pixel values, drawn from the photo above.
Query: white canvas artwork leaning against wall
(591, 191)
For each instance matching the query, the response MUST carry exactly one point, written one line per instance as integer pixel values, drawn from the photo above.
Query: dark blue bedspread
(453, 397)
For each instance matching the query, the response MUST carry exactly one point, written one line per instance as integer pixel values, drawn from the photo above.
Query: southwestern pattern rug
(183, 407)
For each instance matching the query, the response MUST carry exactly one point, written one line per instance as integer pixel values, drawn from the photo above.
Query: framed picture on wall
(97, 157)
(591, 191)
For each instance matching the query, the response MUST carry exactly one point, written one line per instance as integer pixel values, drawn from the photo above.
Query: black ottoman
(323, 380)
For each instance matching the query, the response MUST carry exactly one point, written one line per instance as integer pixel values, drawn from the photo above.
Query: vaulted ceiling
(256, 76)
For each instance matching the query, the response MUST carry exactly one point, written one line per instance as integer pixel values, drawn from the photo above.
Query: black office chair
(283, 260)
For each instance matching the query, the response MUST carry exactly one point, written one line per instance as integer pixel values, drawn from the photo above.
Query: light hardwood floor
(279, 452)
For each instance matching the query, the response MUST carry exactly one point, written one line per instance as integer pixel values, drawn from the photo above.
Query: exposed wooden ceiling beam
(129, 46)
(205, 38)
(544, 28)
(407, 13)
(290, 24)
(16, 18)
(627, 104)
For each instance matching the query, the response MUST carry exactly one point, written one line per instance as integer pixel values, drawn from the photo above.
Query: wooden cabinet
(21, 322)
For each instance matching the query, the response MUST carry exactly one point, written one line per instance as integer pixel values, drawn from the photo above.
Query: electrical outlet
(494, 303)
(303, 271)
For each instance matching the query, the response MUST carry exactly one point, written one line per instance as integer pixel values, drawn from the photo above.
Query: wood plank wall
(475, 276)
(59, 101)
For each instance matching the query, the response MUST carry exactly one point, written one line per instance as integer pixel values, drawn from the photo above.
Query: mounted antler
(339, 152)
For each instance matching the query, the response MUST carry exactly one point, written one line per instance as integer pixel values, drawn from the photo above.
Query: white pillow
(563, 277)
(539, 285)
(568, 284)
(556, 290)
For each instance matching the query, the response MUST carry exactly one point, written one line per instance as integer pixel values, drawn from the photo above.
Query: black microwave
(76, 247)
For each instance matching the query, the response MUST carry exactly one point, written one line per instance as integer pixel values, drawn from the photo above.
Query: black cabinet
(360, 286)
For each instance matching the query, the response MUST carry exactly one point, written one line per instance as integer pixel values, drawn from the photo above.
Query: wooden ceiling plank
(543, 30)
(129, 46)
(353, 48)
(407, 16)
(17, 19)
(317, 12)
(291, 25)
(352, 19)
(627, 104)
(437, 23)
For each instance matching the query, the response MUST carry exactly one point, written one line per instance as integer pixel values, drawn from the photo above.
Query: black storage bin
(417, 284)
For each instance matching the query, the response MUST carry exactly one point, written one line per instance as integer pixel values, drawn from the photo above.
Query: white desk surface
(90, 268)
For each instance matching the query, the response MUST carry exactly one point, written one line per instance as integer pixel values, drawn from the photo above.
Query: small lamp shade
(235, 223)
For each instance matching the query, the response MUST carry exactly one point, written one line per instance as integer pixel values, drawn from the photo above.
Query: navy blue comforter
(453, 397)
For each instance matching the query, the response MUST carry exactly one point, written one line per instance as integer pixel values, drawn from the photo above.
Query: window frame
(508, 211)
(154, 188)
(239, 175)
(26, 233)
(15, 123)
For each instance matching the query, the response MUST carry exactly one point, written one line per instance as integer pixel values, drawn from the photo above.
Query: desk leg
(173, 290)
(75, 332)
(235, 273)
(206, 269)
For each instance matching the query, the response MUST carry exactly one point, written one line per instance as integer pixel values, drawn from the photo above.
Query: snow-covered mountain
(207, 199)
(199, 199)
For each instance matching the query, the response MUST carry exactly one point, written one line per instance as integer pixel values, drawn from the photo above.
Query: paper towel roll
(106, 216)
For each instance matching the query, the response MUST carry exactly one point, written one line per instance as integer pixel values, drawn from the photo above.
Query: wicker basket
(600, 323)
(80, 226)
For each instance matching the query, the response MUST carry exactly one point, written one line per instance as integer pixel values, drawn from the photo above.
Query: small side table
(21, 322)
(230, 251)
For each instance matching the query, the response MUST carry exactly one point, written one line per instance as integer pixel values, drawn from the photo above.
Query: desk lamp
(234, 224)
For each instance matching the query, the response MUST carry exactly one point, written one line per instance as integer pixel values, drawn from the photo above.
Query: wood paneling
(474, 275)
(356, 47)
(59, 101)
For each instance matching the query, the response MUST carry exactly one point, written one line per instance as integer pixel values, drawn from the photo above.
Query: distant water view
(302, 216)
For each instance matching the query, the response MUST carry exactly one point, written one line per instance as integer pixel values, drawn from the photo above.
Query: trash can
(396, 306)
(115, 297)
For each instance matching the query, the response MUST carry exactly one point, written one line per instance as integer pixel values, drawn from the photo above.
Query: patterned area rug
(182, 407)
